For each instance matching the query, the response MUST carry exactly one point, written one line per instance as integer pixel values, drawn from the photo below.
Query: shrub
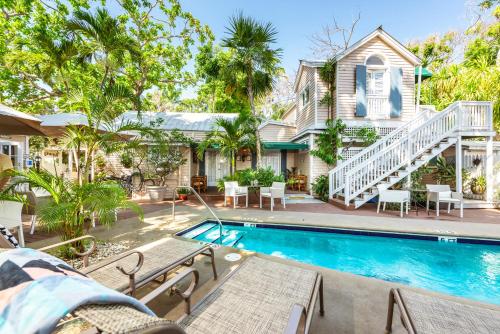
(320, 187)
(264, 176)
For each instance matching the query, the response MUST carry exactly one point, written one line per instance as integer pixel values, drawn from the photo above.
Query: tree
(73, 206)
(230, 136)
(329, 141)
(334, 38)
(253, 58)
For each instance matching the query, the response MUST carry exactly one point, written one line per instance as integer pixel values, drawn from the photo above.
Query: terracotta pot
(157, 193)
(183, 197)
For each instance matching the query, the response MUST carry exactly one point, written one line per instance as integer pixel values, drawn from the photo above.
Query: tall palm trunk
(254, 113)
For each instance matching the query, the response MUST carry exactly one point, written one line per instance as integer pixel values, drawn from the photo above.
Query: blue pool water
(467, 270)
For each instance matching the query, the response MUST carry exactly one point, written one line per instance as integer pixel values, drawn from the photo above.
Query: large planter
(478, 189)
(157, 193)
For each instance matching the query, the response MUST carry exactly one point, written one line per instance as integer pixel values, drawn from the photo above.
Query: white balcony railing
(377, 107)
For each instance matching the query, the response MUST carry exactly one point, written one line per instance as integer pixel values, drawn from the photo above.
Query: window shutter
(360, 90)
(395, 95)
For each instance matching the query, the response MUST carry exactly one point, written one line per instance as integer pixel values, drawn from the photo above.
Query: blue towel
(37, 290)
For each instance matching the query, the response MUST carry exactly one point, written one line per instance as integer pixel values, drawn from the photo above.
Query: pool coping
(352, 231)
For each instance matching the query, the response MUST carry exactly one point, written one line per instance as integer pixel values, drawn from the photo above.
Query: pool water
(469, 270)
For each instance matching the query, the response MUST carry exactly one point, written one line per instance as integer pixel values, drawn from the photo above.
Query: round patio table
(414, 198)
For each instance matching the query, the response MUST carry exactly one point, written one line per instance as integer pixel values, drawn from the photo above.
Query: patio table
(413, 199)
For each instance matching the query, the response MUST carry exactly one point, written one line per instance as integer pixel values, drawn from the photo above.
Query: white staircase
(407, 148)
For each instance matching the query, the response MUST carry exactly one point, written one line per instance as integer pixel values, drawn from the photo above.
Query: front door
(217, 167)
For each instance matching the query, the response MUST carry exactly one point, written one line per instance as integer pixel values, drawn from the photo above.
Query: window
(375, 82)
(374, 61)
(305, 96)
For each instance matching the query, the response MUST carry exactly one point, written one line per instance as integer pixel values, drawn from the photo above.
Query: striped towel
(37, 290)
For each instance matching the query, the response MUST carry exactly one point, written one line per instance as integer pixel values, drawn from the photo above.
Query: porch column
(254, 160)
(489, 169)
(70, 164)
(458, 164)
(283, 162)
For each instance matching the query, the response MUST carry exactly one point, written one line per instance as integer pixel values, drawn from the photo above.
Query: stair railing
(337, 175)
(459, 116)
(174, 193)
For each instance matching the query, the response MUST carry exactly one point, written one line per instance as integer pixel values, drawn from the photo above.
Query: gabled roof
(379, 32)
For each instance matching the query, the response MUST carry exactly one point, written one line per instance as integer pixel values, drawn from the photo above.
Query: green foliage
(70, 211)
(328, 142)
(475, 78)
(184, 191)
(50, 50)
(368, 135)
(478, 185)
(327, 75)
(320, 187)
(230, 136)
(264, 177)
(446, 173)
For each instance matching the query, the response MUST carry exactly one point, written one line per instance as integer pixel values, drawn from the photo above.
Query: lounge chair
(260, 296)
(441, 193)
(428, 314)
(135, 268)
(232, 189)
(277, 190)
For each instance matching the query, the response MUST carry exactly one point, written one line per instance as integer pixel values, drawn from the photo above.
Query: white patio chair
(232, 189)
(277, 190)
(441, 193)
(10, 217)
(393, 196)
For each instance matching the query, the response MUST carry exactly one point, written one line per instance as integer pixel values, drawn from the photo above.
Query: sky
(296, 21)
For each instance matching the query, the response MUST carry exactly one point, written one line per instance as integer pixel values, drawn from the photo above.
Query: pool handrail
(221, 227)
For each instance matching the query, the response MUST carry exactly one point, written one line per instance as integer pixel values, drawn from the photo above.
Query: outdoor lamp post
(38, 160)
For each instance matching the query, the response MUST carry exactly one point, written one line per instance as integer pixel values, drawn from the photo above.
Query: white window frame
(301, 95)
(386, 84)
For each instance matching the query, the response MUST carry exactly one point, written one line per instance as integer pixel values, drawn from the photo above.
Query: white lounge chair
(441, 193)
(232, 189)
(10, 217)
(393, 196)
(277, 190)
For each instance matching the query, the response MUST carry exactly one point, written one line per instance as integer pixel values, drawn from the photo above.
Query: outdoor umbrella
(13, 122)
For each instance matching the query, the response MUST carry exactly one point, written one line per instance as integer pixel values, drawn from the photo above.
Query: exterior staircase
(404, 150)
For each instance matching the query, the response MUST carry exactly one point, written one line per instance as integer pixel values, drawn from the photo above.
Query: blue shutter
(360, 90)
(396, 96)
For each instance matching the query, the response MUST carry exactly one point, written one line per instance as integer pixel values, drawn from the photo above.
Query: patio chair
(260, 296)
(428, 314)
(233, 190)
(441, 193)
(393, 196)
(199, 183)
(10, 217)
(277, 190)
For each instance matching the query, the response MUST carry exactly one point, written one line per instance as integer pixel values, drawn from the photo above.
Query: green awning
(426, 74)
(274, 145)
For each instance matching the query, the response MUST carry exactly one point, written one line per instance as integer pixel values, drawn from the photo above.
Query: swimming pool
(463, 267)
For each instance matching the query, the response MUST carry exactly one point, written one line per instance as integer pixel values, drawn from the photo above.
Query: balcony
(377, 107)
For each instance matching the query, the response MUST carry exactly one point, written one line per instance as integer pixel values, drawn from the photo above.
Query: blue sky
(297, 20)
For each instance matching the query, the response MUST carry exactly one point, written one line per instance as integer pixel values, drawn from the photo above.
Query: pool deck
(354, 304)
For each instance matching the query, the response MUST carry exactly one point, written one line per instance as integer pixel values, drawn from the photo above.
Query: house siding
(322, 112)
(290, 115)
(306, 114)
(346, 83)
(277, 133)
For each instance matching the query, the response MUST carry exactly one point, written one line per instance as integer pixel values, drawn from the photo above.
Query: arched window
(374, 60)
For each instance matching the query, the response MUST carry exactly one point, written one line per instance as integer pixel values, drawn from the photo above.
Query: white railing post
(459, 116)
(408, 159)
(347, 189)
(330, 185)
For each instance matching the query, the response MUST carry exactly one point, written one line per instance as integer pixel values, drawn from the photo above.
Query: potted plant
(183, 193)
(478, 185)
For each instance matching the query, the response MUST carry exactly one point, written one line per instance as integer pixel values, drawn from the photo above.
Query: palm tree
(109, 39)
(229, 136)
(253, 58)
(72, 206)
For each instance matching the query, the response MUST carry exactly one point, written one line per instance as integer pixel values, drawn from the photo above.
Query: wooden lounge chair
(260, 296)
(428, 314)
